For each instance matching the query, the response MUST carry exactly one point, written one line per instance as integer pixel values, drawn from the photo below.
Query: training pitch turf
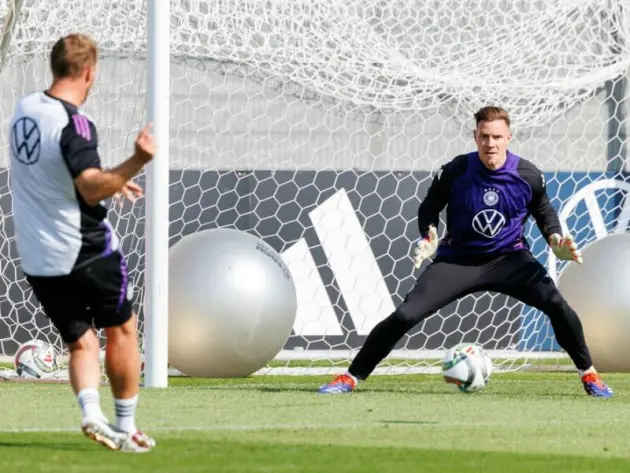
(535, 422)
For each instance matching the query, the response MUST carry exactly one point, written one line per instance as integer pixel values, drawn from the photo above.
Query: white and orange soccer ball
(36, 359)
(467, 367)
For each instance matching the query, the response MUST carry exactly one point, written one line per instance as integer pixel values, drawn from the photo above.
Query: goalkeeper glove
(425, 247)
(565, 248)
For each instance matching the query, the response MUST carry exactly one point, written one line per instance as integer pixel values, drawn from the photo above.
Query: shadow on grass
(422, 389)
(54, 446)
(408, 422)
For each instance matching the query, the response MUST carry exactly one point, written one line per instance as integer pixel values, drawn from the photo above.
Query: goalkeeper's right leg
(440, 284)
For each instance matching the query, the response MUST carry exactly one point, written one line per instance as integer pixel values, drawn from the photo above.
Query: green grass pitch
(522, 422)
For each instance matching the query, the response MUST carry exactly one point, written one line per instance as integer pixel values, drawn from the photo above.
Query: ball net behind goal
(318, 124)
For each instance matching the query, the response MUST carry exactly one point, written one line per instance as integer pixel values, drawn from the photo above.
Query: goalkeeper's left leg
(521, 276)
(439, 284)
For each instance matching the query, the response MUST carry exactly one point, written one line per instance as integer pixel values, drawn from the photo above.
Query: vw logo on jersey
(488, 223)
(26, 141)
(490, 197)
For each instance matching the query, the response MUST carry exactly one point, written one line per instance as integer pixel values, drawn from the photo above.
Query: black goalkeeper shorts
(517, 274)
(95, 295)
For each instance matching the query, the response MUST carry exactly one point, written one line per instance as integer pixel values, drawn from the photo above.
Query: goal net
(317, 125)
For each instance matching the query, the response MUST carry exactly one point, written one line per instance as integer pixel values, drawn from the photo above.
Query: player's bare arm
(95, 184)
(130, 191)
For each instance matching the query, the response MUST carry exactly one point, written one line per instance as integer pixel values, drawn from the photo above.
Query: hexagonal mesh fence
(317, 125)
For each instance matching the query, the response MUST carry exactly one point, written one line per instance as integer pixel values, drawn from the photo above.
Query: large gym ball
(599, 291)
(232, 304)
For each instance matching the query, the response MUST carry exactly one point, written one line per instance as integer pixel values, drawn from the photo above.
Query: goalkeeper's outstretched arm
(546, 216)
(435, 201)
(540, 206)
(429, 210)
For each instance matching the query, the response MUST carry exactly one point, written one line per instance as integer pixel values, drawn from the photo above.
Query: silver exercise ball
(599, 291)
(232, 304)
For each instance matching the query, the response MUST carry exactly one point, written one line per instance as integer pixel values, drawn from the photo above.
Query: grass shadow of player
(500, 396)
(53, 446)
(262, 388)
(285, 389)
(408, 422)
(312, 388)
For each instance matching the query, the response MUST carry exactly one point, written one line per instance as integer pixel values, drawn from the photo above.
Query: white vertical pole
(157, 199)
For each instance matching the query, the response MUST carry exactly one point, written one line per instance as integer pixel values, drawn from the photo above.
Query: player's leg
(521, 276)
(62, 299)
(111, 304)
(440, 284)
(85, 373)
(122, 358)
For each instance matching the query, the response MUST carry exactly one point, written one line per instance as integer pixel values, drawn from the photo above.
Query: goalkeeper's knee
(407, 317)
(558, 307)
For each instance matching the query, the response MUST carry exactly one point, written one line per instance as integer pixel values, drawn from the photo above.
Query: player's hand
(145, 144)
(565, 248)
(425, 247)
(130, 191)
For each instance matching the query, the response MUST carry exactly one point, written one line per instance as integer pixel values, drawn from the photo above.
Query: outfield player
(488, 194)
(66, 245)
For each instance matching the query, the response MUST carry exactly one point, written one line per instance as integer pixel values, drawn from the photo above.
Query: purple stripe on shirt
(82, 126)
(105, 225)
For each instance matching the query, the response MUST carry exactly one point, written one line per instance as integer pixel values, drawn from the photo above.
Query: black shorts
(95, 295)
(516, 274)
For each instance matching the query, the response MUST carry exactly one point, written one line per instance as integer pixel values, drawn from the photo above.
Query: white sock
(90, 402)
(588, 371)
(126, 414)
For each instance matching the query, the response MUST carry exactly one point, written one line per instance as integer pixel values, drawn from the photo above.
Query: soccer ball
(467, 367)
(36, 359)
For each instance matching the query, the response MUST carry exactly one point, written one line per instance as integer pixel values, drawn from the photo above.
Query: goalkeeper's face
(493, 138)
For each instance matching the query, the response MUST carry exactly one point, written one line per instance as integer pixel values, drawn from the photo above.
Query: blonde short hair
(72, 54)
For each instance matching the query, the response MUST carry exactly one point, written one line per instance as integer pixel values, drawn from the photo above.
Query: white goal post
(317, 125)
(156, 278)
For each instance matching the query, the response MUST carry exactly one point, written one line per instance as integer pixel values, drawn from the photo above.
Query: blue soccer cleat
(595, 386)
(343, 383)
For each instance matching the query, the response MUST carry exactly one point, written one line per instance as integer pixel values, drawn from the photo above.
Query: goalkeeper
(489, 194)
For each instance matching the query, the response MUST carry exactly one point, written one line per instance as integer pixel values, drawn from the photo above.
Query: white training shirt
(50, 144)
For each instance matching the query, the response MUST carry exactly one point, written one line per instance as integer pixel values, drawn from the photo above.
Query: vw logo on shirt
(26, 141)
(488, 222)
